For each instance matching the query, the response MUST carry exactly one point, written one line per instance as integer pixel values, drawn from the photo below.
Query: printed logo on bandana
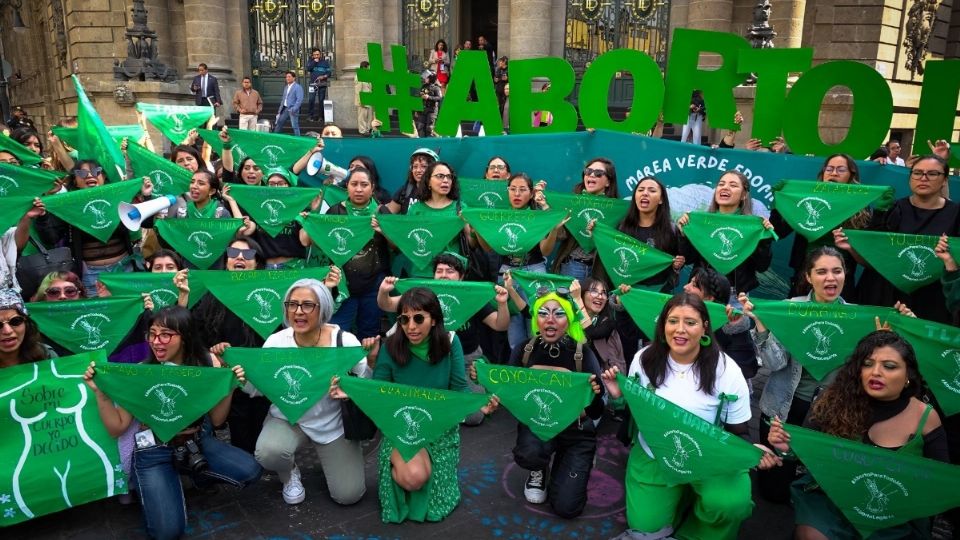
(588, 214)
(100, 210)
(878, 490)
(292, 375)
(160, 179)
(273, 206)
(200, 239)
(420, 236)
(538, 285)
(728, 236)
(91, 324)
(167, 395)
(490, 198)
(952, 357)
(918, 256)
(342, 234)
(815, 208)
(447, 301)
(273, 153)
(265, 299)
(414, 418)
(512, 230)
(163, 298)
(7, 184)
(823, 332)
(627, 257)
(684, 448)
(545, 400)
(177, 123)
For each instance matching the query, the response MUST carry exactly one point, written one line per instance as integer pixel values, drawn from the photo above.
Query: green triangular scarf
(334, 195)
(167, 398)
(814, 209)
(938, 353)
(544, 400)
(175, 121)
(480, 193)
(168, 177)
(645, 306)
(26, 156)
(268, 150)
(686, 447)
(339, 236)
(585, 207)
(158, 284)
(273, 208)
(93, 210)
(88, 325)
(16, 180)
(71, 136)
(411, 417)
(420, 238)
(531, 282)
(93, 139)
(725, 240)
(626, 259)
(12, 209)
(512, 232)
(874, 487)
(200, 240)
(459, 300)
(905, 260)
(294, 378)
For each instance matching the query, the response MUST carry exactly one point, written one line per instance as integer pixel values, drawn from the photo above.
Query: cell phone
(145, 439)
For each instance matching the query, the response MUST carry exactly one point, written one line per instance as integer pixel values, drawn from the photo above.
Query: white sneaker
(533, 489)
(293, 492)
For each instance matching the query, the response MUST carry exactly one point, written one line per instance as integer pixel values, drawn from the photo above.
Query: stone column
(359, 22)
(786, 18)
(207, 37)
(530, 28)
(710, 15)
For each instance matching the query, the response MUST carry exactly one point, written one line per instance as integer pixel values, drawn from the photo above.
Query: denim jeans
(92, 272)
(576, 270)
(360, 310)
(293, 117)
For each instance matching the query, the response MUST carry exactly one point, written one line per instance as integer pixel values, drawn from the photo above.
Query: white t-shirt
(684, 392)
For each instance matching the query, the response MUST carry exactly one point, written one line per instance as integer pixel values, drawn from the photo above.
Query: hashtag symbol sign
(401, 81)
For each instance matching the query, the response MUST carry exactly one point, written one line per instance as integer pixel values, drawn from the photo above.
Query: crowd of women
(704, 365)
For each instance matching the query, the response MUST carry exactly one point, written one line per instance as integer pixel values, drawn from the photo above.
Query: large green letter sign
(524, 102)
(472, 69)
(647, 91)
(938, 105)
(772, 67)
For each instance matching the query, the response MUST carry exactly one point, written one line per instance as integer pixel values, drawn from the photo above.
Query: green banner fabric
(273, 208)
(420, 238)
(93, 139)
(159, 285)
(686, 447)
(411, 417)
(531, 282)
(545, 400)
(626, 259)
(93, 210)
(168, 177)
(512, 232)
(339, 236)
(175, 121)
(725, 240)
(168, 398)
(294, 378)
(256, 296)
(819, 336)
(938, 353)
(268, 150)
(585, 207)
(200, 240)
(906, 260)
(481, 193)
(88, 325)
(57, 454)
(12, 209)
(874, 487)
(26, 156)
(26, 181)
(459, 300)
(814, 209)
(71, 136)
(645, 307)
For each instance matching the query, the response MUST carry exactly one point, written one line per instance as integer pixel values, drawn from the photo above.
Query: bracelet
(228, 147)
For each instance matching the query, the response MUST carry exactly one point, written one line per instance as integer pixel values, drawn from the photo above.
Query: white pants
(248, 122)
(695, 124)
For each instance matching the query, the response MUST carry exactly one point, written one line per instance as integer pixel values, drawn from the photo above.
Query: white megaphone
(132, 215)
(317, 164)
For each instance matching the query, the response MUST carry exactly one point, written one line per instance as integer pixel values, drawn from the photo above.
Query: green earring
(705, 341)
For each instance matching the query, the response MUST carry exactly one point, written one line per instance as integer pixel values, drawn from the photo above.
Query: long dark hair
(611, 190)
(164, 252)
(78, 165)
(664, 234)
(654, 358)
(423, 193)
(420, 299)
(532, 203)
(861, 218)
(21, 134)
(201, 164)
(746, 204)
(254, 245)
(181, 321)
(712, 283)
(803, 286)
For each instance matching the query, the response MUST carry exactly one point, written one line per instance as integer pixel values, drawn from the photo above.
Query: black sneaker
(533, 489)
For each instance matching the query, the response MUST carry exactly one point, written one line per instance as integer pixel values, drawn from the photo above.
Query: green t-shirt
(447, 374)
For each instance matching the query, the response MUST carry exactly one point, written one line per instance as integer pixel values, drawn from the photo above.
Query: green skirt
(437, 498)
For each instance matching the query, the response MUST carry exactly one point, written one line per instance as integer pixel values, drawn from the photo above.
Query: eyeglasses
(838, 170)
(519, 190)
(248, 254)
(496, 167)
(162, 338)
(597, 292)
(596, 173)
(417, 318)
(933, 175)
(87, 173)
(442, 176)
(278, 183)
(14, 322)
(306, 307)
(57, 292)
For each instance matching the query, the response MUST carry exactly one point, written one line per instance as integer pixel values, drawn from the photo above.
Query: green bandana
(686, 447)
(273, 208)
(12, 209)
(94, 141)
(334, 195)
(819, 336)
(645, 307)
(874, 487)
(421, 238)
(531, 282)
(200, 240)
(88, 325)
(938, 353)
(585, 207)
(512, 232)
(26, 156)
(175, 121)
(25, 181)
(459, 300)
(168, 177)
(71, 136)
(340, 237)
(725, 240)
(410, 416)
(51, 428)
(167, 398)
(93, 210)
(294, 379)
(906, 260)
(627, 260)
(158, 284)
(209, 210)
(481, 193)
(544, 400)
(268, 150)
(814, 209)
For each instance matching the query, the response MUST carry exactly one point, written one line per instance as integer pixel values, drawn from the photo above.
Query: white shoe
(533, 489)
(293, 492)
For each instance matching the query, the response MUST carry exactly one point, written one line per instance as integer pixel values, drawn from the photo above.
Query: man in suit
(205, 86)
(290, 105)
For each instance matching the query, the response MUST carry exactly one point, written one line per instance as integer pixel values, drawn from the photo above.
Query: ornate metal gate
(424, 22)
(282, 33)
(594, 27)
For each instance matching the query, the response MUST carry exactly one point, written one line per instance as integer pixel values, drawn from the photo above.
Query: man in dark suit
(205, 86)
(290, 105)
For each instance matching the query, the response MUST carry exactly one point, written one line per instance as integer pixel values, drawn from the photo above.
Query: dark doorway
(478, 18)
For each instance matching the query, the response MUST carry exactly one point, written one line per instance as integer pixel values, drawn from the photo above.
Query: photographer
(432, 94)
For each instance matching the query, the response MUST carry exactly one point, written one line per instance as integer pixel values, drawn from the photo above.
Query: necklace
(315, 343)
(682, 373)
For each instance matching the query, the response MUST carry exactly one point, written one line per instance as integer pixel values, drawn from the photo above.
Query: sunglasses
(56, 292)
(561, 291)
(248, 254)
(87, 173)
(596, 173)
(418, 318)
(14, 322)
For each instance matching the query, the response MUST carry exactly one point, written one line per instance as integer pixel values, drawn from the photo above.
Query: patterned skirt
(437, 498)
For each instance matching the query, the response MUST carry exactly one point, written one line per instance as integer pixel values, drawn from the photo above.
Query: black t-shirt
(373, 260)
(469, 333)
(285, 244)
(542, 356)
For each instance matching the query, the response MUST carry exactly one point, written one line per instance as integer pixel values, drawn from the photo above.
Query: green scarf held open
(626, 259)
(26, 156)
(531, 282)
(725, 241)
(88, 325)
(876, 488)
(168, 177)
(512, 232)
(410, 416)
(334, 195)
(295, 378)
(71, 136)
(905, 260)
(159, 285)
(25, 181)
(819, 336)
(645, 307)
(459, 300)
(13, 208)
(175, 121)
(481, 193)
(200, 240)
(687, 447)
(546, 401)
(168, 398)
(814, 209)
(93, 210)
(55, 452)
(340, 237)
(420, 238)
(268, 150)
(273, 208)
(938, 354)
(256, 296)
(584, 208)
(94, 141)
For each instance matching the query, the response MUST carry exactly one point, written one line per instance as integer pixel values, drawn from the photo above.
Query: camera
(189, 457)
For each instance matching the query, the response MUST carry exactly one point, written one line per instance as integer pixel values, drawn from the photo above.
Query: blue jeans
(576, 269)
(360, 309)
(286, 114)
(91, 273)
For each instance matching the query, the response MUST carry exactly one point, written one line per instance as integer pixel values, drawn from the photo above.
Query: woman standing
(600, 324)
(406, 196)
(439, 62)
(497, 169)
(19, 336)
(440, 196)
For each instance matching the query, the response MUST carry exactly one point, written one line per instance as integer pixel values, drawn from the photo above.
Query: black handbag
(33, 268)
(357, 426)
